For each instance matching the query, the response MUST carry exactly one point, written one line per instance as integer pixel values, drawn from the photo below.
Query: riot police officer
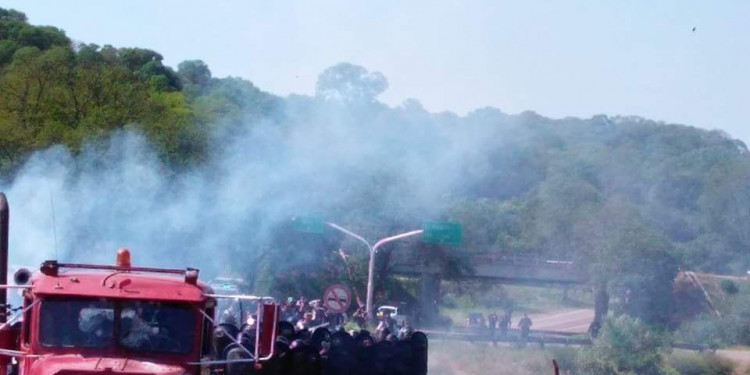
(525, 325)
(492, 325)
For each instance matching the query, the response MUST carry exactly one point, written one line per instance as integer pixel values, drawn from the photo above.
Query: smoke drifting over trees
(189, 169)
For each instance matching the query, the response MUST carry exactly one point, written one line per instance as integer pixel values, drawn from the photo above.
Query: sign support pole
(373, 250)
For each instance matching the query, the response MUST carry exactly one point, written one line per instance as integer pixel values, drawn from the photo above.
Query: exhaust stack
(4, 220)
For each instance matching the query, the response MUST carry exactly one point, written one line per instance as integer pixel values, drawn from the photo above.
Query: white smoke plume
(320, 158)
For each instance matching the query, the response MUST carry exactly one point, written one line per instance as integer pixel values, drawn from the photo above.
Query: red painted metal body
(79, 364)
(118, 285)
(115, 319)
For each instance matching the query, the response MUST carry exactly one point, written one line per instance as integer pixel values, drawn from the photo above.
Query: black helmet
(319, 336)
(341, 341)
(286, 329)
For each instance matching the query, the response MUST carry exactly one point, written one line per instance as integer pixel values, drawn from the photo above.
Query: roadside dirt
(740, 357)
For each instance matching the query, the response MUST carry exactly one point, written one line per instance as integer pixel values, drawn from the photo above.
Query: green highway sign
(442, 232)
(309, 224)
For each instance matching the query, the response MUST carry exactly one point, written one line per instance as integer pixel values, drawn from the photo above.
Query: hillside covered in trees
(631, 198)
(57, 91)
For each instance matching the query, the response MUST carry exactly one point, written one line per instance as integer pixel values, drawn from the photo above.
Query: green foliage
(492, 225)
(42, 37)
(7, 49)
(624, 346)
(52, 92)
(194, 72)
(232, 101)
(729, 287)
(11, 15)
(136, 58)
(706, 330)
(731, 328)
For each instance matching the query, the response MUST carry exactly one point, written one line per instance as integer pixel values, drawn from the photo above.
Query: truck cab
(81, 319)
(118, 319)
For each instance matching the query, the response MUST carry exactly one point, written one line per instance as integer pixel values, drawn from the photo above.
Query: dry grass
(461, 358)
(722, 300)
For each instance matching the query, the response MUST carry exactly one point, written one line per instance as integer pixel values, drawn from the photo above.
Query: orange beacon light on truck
(123, 258)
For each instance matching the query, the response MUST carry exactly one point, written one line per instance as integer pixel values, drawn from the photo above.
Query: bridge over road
(502, 269)
(505, 269)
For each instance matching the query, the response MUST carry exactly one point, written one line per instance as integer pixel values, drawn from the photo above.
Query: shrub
(729, 287)
(625, 345)
(707, 330)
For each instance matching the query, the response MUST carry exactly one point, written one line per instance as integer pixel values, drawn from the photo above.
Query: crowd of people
(502, 323)
(308, 314)
(313, 340)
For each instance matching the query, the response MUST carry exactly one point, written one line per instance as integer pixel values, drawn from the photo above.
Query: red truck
(122, 319)
(114, 319)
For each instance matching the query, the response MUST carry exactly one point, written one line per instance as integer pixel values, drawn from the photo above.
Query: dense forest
(56, 91)
(633, 199)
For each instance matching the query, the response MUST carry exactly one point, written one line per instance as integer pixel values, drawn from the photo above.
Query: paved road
(571, 321)
(563, 327)
(564, 322)
(740, 357)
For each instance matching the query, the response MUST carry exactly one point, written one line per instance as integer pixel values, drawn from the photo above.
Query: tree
(233, 101)
(11, 15)
(348, 83)
(42, 37)
(160, 77)
(636, 262)
(492, 226)
(170, 125)
(7, 49)
(135, 58)
(194, 72)
(22, 86)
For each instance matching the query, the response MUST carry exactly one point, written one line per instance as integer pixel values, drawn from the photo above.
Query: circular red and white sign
(337, 298)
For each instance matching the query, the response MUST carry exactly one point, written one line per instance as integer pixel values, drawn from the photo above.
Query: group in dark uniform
(322, 352)
(495, 323)
(307, 343)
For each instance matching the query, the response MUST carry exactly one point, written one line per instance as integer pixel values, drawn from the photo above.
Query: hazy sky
(558, 58)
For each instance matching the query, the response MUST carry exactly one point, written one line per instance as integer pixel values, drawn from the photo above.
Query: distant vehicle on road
(228, 285)
(400, 319)
(475, 320)
(233, 310)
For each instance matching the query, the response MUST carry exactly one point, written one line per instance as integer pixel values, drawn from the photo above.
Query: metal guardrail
(511, 331)
(536, 337)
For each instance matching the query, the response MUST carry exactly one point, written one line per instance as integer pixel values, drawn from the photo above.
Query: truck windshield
(143, 326)
(156, 327)
(83, 322)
